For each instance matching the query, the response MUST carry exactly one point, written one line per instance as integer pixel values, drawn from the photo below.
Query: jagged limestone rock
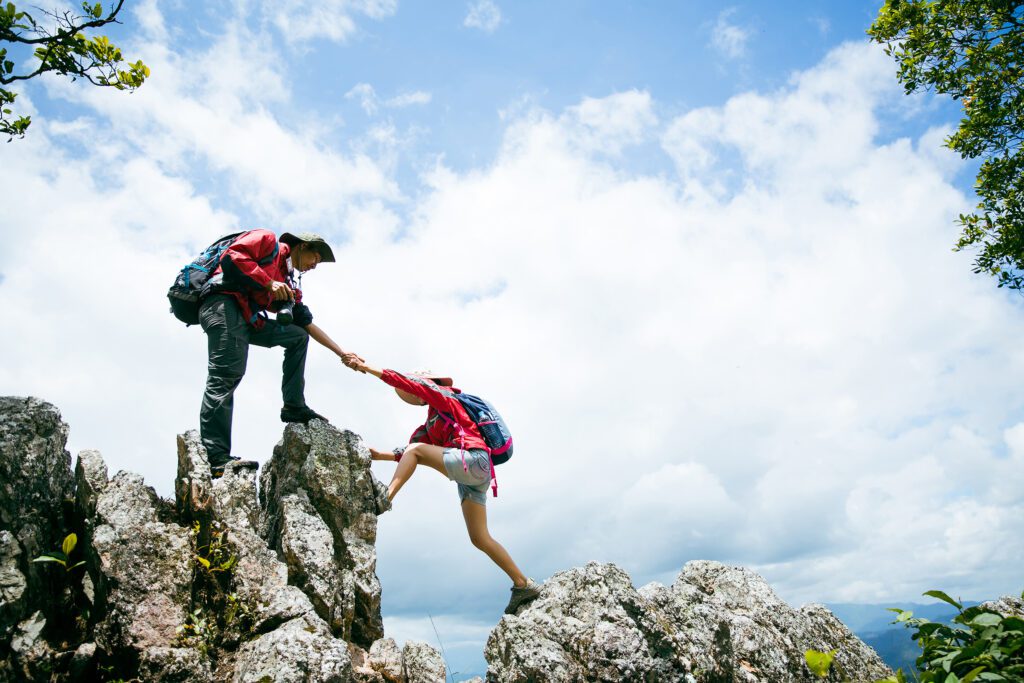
(28, 637)
(12, 584)
(1008, 606)
(145, 569)
(302, 650)
(362, 672)
(174, 665)
(193, 487)
(421, 663)
(83, 663)
(386, 659)
(305, 563)
(234, 499)
(715, 623)
(90, 480)
(35, 480)
(260, 579)
(320, 473)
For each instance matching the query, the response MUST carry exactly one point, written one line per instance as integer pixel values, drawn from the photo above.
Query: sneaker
(522, 595)
(217, 470)
(301, 414)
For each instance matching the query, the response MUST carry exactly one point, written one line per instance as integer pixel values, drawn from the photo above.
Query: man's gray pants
(228, 337)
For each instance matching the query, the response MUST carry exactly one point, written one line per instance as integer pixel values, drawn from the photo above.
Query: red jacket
(436, 430)
(246, 280)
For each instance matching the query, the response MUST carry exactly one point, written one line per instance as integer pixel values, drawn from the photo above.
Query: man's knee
(225, 377)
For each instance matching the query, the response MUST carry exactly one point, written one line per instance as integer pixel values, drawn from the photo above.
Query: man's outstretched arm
(349, 359)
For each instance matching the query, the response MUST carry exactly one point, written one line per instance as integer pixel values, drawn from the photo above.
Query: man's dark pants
(228, 337)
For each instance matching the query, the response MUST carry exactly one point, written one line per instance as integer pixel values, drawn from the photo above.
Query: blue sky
(698, 254)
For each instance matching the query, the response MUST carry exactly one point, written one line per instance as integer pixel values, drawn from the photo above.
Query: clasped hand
(353, 361)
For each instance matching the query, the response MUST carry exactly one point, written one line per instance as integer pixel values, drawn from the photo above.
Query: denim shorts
(474, 479)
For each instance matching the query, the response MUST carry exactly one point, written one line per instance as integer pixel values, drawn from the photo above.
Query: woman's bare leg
(431, 456)
(476, 524)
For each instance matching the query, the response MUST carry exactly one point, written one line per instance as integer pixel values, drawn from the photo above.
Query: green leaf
(986, 619)
(70, 541)
(972, 674)
(819, 662)
(50, 558)
(939, 595)
(203, 561)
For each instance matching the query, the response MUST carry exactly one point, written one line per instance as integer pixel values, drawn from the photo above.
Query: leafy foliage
(220, 617)
(63, 556)
(819, 662)
(971, 50)
(218, 556)
(980, 645)
(60, 45)
(198, 632)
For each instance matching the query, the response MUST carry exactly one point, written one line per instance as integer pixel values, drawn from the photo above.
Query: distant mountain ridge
(873, 623)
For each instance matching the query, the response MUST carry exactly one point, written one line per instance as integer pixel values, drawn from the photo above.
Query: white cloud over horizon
(768, 357)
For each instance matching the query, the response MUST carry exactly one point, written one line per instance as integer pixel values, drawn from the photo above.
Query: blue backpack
(188, 287)
(491, 425)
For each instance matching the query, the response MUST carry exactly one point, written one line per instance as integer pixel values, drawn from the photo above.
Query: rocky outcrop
(715, 623)
(217, 585)
(318, 511)
(225, 583)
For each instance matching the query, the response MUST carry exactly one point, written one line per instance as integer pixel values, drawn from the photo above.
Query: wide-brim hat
(312, 239)
(435, 377)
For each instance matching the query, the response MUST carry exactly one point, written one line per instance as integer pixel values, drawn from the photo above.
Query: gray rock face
(421, 663)
(386, 659)
(1008, 606)
(12, 583)
(715, 623)
(317, 502)
(301, 650)
(144, 571)
(35, 480)
(260, 579)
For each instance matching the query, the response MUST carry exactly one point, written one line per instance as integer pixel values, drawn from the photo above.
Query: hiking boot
(217, 470)
(522, 595)
(301, 414)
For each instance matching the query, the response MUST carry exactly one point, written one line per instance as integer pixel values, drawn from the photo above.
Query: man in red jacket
(257, 275)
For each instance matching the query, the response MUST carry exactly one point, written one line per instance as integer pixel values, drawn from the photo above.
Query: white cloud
(611, 123)
(728, 38)
(300, 20)
(219, 106)
(367, 97)
(408, 99)
(484, 15)
(371, 102)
